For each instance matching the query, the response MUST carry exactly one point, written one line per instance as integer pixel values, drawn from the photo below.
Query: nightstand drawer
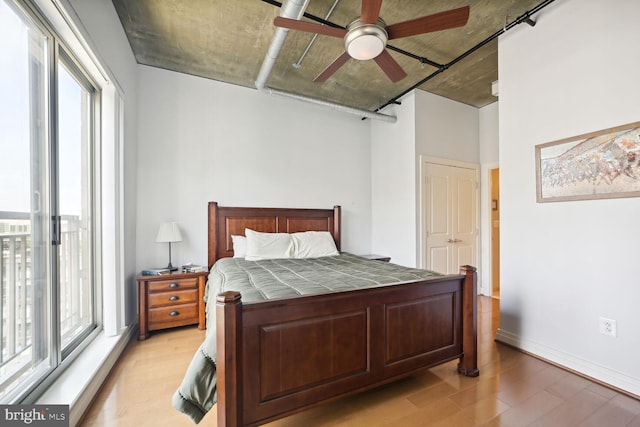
(173, 285)
(161, 299)
(177, 315)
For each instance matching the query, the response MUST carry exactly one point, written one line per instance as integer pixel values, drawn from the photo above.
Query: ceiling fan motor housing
(365, 41)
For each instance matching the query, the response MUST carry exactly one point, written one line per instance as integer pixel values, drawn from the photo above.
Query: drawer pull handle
(174, 285)
(174, 298)
(174, 313)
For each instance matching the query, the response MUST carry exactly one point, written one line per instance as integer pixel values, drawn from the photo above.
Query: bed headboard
(225, 221)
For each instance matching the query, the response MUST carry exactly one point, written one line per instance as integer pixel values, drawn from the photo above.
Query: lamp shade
(168, 232)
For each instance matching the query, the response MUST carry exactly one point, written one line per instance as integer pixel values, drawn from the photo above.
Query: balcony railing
(23, 311)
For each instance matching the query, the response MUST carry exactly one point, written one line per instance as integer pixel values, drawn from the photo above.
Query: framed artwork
(598, 165)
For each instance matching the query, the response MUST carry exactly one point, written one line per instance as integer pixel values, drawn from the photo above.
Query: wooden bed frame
(277, 357)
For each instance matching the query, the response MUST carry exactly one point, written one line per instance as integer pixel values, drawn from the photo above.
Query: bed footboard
(277, 357)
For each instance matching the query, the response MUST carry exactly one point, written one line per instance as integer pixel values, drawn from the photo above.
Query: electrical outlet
(608, 327)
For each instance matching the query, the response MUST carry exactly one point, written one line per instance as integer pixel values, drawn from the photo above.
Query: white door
(451, 223)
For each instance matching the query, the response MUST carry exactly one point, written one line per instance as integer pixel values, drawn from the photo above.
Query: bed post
(469, 361)
(229, 359)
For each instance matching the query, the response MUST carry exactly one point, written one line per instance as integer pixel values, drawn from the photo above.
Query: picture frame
(598, 165)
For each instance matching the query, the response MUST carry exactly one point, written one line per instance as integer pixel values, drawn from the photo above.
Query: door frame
(422, 208)
(485, 274)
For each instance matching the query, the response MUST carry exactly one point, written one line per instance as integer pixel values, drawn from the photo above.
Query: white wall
(488, 134)
(202, 140)
(565, 264)
(429, 125)
(393, 184)
(488, 145)
(446, 129)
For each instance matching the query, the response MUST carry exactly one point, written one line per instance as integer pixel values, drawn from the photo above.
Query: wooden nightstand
(170, 300)
(376, 257)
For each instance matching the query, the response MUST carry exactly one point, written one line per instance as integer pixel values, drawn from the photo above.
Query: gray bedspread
(258, 280)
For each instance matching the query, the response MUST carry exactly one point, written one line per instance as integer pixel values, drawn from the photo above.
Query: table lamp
(169, 232)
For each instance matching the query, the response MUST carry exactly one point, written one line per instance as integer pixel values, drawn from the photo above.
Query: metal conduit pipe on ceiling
(524, 18)
(294, 9)
(298, 64)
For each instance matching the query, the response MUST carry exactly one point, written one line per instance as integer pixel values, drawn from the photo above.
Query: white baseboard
(582, 367)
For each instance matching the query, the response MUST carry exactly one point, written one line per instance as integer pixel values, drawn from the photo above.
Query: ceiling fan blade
(332, 68)
(428, 24)
(309, 27)
(391, 68)
(370, 11)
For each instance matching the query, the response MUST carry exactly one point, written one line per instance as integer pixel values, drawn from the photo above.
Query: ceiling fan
(366, 37)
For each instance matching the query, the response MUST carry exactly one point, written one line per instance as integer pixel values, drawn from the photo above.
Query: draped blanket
(277, 278)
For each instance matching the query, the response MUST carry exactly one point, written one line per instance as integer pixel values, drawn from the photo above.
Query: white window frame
(110, 339)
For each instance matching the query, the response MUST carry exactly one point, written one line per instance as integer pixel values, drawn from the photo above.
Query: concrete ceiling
(228, 40)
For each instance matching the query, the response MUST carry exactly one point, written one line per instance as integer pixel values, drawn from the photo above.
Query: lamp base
(170, 266)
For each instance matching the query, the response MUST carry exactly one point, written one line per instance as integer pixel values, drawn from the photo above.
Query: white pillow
(268, 245)
(314, 244)
(239, 246)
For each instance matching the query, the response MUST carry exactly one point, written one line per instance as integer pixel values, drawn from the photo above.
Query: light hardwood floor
(513, 389)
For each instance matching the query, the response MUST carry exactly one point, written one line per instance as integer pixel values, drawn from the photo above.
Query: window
(48, 284)
(74, 155)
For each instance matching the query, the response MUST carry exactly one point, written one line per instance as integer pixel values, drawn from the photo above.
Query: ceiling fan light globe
(365, 41)
(365, 47)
